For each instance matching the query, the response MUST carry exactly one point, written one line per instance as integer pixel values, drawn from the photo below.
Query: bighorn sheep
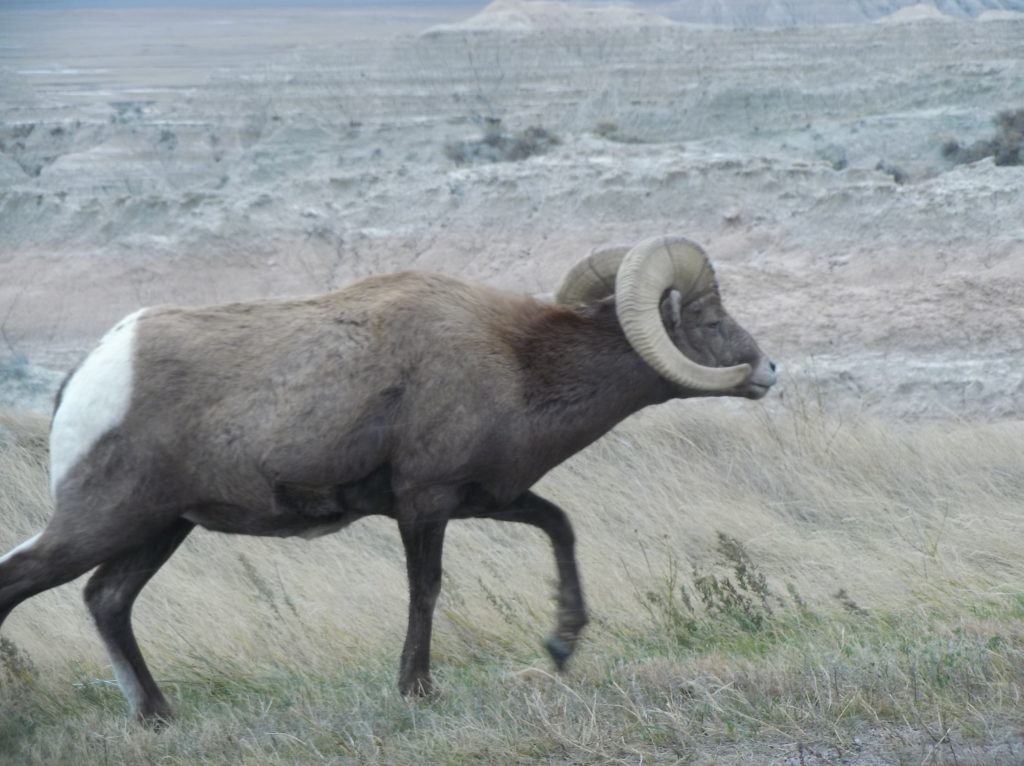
(415, 395)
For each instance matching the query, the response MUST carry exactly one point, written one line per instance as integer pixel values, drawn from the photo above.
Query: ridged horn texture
(592, 278)
(646, 272)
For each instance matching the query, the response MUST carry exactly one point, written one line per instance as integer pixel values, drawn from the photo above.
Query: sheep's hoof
(156, 719)
(558, 649)
(420, 687)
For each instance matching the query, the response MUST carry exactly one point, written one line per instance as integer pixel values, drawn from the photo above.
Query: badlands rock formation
(151, 156)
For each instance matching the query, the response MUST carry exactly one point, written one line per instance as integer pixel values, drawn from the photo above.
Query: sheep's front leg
(423, 540)
(533, 509)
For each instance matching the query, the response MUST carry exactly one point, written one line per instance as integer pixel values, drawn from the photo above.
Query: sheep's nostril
(771, 364)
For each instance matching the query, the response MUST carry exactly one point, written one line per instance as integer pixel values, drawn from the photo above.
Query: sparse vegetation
(609, 130)
(835, 156)
(498, 145)
(899, 175)
(764, 590)
(1006, 147)
(23, 384)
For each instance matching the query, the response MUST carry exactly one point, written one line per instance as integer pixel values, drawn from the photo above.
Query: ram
(415, 395)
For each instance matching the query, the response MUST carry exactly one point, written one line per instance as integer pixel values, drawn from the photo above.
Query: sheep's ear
(672, 310)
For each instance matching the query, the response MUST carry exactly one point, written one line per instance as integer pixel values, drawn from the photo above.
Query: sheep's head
(671, 312)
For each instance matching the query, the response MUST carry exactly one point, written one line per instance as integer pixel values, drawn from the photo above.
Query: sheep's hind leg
(109, 594)
(47, 560)
(533, 509)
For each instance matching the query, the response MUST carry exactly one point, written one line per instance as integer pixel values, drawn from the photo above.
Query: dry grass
(714, 540)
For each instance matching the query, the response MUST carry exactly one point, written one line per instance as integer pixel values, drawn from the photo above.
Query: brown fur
(415, 395)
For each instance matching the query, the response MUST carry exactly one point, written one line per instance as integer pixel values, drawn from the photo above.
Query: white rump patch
(25, 545)
(95, 400)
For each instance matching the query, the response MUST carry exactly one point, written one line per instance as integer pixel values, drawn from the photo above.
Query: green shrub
(497, 145)
(1007, 146)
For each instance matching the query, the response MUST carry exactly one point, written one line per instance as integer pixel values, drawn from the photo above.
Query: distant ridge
(784, 13)
(534, 15)
(525, 15)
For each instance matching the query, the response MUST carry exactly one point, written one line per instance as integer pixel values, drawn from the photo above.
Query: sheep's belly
(297, 510)
(236, 520)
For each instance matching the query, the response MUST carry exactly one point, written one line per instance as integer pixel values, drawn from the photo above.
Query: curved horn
(593, 277)
(648, 270)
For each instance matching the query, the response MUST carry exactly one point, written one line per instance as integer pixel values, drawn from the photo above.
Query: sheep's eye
(716, 325)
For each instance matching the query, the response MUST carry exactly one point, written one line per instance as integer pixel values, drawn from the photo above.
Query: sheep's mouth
(755, 390)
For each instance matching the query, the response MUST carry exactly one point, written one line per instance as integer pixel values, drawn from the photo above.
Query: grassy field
(767, 586)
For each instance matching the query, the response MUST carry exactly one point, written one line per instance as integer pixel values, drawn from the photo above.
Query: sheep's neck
(582, 375)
